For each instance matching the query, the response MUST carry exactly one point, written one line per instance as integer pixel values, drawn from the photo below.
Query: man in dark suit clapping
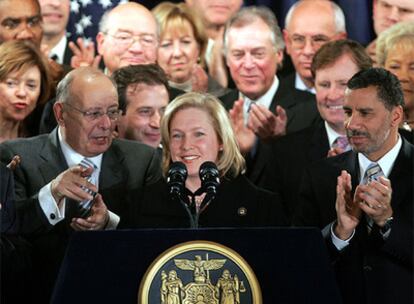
(364, 198)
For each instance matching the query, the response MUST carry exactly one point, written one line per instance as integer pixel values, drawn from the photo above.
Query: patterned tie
(342, 143)
(372, 173)
(85, 206)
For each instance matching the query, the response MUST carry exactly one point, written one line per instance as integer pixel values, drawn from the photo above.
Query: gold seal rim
(149, 276)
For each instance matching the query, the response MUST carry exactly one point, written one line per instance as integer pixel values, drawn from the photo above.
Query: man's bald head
(128, 36)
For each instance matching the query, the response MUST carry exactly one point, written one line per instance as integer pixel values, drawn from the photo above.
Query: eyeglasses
(126, 39)
(299, 41)
(94, 115)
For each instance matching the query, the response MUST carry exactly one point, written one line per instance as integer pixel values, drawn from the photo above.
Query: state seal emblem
(199, 272)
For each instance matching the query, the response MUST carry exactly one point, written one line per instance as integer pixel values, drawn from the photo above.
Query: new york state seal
(199, 272)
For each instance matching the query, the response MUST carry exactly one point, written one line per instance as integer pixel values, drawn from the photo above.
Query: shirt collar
(332, 134)
(265, 100)
(59, 49)
(73, 158)
(386, 162)
(300, 85)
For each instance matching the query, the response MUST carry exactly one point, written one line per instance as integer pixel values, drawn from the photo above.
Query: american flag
(85, 16)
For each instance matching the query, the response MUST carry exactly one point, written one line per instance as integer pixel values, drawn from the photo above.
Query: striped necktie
(372, 173)
(85, 206)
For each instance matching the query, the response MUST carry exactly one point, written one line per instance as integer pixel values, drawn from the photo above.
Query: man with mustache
(363, 199)
(333, 65)
(62, 170)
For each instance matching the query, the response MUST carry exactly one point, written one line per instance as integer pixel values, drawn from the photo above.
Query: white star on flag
(74, 6)
(79, 29)
(85, 2)
(105, 3)
(85, 21)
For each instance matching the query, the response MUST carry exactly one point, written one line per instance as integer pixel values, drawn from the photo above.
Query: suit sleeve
(28, 211)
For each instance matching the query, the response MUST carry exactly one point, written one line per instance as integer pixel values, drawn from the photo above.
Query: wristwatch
(387, 225)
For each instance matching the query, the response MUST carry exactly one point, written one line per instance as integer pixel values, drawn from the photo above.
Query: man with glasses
(128, 35)
(309, 25)
(54, 181)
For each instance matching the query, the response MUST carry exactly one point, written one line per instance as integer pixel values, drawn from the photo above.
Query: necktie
(341, 142)
(373, 172)
(85, 206)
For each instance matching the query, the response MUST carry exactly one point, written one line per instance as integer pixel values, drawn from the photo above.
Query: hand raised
(245, 136)
(69, 184)
(83, 54)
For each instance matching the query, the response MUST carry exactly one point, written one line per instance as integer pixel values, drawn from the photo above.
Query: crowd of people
(303, 127)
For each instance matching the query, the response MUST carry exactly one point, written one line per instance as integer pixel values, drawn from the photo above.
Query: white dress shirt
(386, 164)
(300, 85)
(265, 100)
(59, 50)
(55, 213)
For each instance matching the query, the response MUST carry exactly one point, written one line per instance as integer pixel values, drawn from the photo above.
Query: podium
(291, 264)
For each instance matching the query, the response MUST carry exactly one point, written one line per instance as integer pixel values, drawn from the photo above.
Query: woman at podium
(204, 184)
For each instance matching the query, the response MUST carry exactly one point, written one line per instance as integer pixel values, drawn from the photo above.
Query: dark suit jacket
(301, 110)
(67, 55)
(291, 154)
(126, 165)
(158, 210)
(15, 250)
(369, 270)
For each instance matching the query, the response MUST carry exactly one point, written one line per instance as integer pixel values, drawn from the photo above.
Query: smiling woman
(24, 85)
(395, 52)
(196, 129)
(182, 49)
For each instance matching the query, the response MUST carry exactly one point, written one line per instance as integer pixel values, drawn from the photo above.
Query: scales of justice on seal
(199, 272)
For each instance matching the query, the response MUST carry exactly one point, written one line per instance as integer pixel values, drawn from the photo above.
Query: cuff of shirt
(52, 211)
(340, 244)
(113, 221)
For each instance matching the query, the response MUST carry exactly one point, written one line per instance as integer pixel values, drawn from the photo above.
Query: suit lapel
(54, 161)
(111, 170)
(401, 173)
(319, 144)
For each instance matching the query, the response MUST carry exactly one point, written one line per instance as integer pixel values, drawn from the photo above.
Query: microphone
(176, 176)
(209, 176)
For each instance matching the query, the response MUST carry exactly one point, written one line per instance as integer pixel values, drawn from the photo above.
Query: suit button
(367, 268)
(52, 216)
(242, 211)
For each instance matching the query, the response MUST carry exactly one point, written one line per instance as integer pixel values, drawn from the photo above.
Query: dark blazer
(301, 110)
(8, 212)
(262, 208)
(369, 270)
(15, 250)
(291, 154)
(67, 55)
(126, 165)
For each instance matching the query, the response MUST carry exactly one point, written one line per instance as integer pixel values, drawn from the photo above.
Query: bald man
(54, 181)
(128, 35)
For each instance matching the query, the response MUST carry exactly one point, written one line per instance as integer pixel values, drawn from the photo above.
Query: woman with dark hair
(24, 88)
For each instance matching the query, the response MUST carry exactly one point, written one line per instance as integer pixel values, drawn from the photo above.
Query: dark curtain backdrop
(85, 15)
